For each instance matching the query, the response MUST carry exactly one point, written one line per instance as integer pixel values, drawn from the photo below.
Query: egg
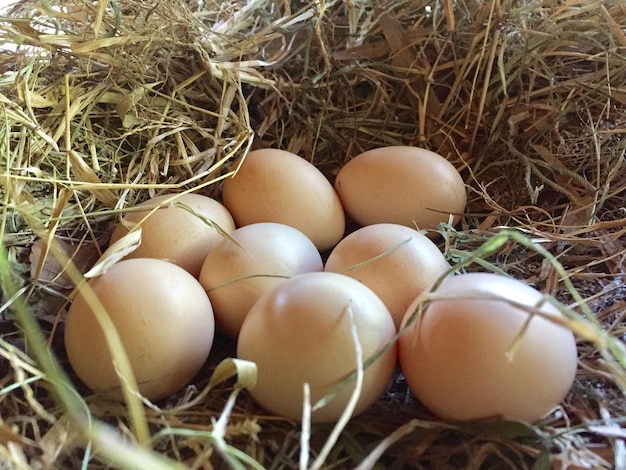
(273, 185)
(175, 234)
(164, 320)
(403, 185)
(300, 332)
(461, 359)
(257, 258)
(398, 263)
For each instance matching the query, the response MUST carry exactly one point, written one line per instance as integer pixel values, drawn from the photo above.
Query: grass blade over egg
(108, 441)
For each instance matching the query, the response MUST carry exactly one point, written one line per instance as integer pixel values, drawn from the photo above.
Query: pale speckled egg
(459, 356)
(175, 234)
(273, 185)
(256, 259)
(164, 320)
(403, 185)
(300, 332)
(398, 263)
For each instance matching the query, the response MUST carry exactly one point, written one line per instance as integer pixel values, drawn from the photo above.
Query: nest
(106, 103)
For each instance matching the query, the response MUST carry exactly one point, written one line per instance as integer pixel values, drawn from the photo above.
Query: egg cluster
(481, 345)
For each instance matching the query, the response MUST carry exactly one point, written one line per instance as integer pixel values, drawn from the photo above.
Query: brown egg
(277, 186)
(300, 332)
(396, 262)
(402, 185)
(259, 257)
(175, 234)
(164, 320)
(459, 356)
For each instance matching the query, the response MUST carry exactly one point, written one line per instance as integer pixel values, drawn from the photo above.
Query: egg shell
(454, 356)
(398, 263)
(164, 320)
(300, 332)
(268, 251)
(404, 185)
(173, 233)
(273, 185)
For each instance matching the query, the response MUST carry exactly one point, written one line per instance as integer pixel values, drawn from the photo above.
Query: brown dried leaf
(52, 271)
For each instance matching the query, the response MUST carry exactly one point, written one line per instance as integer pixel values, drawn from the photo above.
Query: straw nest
(106, 103)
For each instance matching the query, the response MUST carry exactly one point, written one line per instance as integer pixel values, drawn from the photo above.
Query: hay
(105, 104)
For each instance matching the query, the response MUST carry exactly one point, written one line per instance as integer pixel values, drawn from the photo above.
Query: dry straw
(105, 103)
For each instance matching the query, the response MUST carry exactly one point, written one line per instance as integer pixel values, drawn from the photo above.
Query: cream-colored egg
(300, 332)
(402, 185)
(274, 185)
(398, 263)
(461, 359)
(259, 257)
(163, 318)
(174, 233)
